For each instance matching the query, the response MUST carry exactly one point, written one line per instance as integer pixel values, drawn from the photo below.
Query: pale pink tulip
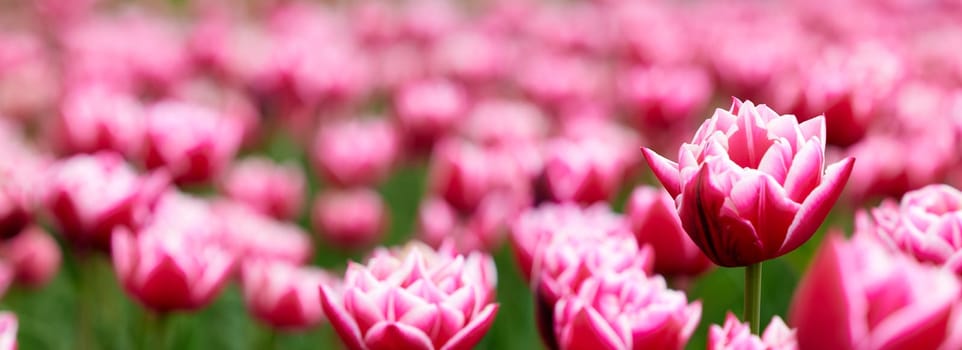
(752, 185)
(284, 296)
(623, 311)
(33, 255)
(584, 171)
(356, 152)
(96, 119)
(252, 235)
(483, 230)
(352, 219)
(276, 190)
(427, 110)
(414, 298)
(651, 213)
(461, 173)
(8, 331)
(736, 335)
(192, 142)
(664, 96)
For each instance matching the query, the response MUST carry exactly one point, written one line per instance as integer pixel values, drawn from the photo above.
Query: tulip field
(484, 174)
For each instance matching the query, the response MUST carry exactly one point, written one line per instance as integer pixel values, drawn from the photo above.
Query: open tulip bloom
(752, 186)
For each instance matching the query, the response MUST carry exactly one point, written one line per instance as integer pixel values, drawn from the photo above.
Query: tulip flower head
(273, 189)
(282, 295)
(252, 235)
(96, 119)
(192, 142)
(8, 331)
(34, 256)
(414, 298)
(353, 219)
(752, 185)
(356, 152)
(651, 213)
(735, 335)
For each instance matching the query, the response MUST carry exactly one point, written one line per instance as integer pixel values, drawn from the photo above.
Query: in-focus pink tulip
(284, 296)
(856, 295)
(615, 311)
(925, 224)
(249, 234)
(735, 335)
(170, 266)
(8, 331)
(584, 171)
(33, 255)
(192, 142)
(95, 119)
(272, 189)
(651, 213)
(356, 152)
(352, 219)
(90, 195)
(752, 185)
(414, 298)
(428, 110)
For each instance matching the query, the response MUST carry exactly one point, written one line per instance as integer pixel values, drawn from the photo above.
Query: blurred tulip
(461, 173)
(414, 298)
(505, 123)
(651, 213)
(21, 186)
(584, 171)
(737, 336)
(471, 57)
(192, 142)
(90, 195)
(484, 230)
(353, 219)
(252, 235)
(924, 225)
(770, 169)
(428, 110)
(625, 311)
(272, 189)
(8, 331)
(858, 296)
(7, 276)
(33, 255)
(166, 267)
(555, 81)
(356, 152)
(96, 119)
(661, 97)
(284, 296)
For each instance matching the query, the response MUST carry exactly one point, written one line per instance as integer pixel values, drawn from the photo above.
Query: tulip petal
(396, 336)
(724, 237)
(817, 205)
(806, 171)
(471, 334)
(922, 326)
(763, 202)
(665, 170)
(342, 322)
(589, 330)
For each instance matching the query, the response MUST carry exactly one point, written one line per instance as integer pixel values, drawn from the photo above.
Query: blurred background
(387, 108)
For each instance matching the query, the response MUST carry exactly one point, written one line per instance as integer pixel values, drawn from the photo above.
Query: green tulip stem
(753, 296)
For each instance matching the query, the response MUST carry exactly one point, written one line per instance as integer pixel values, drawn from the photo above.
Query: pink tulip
(154, 50)
(7, 276)
(169, 266)
(737, 336)
(923, 225)
(654, 221)
(192, 142)
(25, 60)
(20, 185)
(284, 296)
(352, 219)
(272, 189)
(505, 123)
(584, 171)
(625, 311)
(461, 173)
(428, 110)
(252, 235)
(414, 298)
(537, 228)
(356, 152)
(96, 119)
(752, 185)
(660, 97)
(427, 21)
(856, 295)
(90, 195)
(484, 230)
(8, 331)
(472, 57)
(33, 255)
(375, 23)
(891, 165)
(555, 81)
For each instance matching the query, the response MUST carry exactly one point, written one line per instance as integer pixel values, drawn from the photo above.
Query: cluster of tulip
(196, 145)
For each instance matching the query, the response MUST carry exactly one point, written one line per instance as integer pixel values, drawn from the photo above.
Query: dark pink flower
(651, 213)
(272, 189)
(427, 110)
(661, 97)
(284, 296)
(192, 142)
(354, 218)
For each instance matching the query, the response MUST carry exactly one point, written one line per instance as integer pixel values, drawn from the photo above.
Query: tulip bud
(651, 213)
(350, 219)
(585, 171)
(192, 142)
(355, 152)
(272, 189)
(251, 235)
(428, 110)
(96, 119)
(33, 255)
(284, 296)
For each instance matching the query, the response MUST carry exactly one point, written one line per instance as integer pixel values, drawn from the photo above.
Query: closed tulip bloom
(583, 171)
(752, 185)
(662, 96)
(428, 110)
(33, 255)
(167, 267)
(651, 213)
(252, 235)
(192, 142)
(856, 295)
(625, 311)
(352, 219)
(414, 298)
(96, 119)
(461, 172)
(925, 224)
(276, 190)
(357, 152)
(89, 195)
(284, 296)
(8, 331)
(735, 335)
